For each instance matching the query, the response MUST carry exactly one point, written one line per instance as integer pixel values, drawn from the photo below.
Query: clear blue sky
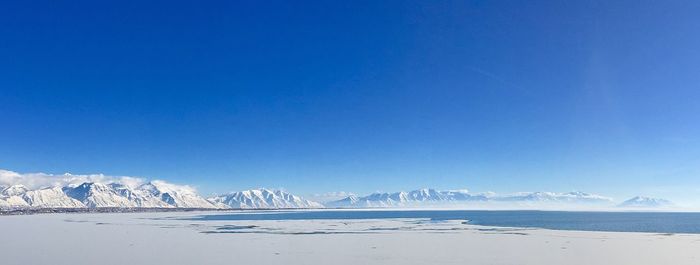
(598, 96)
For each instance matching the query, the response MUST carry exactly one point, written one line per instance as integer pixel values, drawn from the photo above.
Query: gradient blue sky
(361, 96)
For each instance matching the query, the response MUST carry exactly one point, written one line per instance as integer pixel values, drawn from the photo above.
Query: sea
(650, 222)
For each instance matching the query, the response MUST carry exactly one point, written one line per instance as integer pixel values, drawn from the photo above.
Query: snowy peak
(155, 194)
(262, 199)
(140, 198)
(11, 197)
(94, 195)
(645, 202)
(14, 190)
(568, 197)
(174, 195)
(427, 195)
(51, 198)
(100, 191)
(423, 197)
(398, 199)
(350, 201)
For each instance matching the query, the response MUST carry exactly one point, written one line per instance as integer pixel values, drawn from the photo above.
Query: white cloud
(165, 187)
(42, 180)
(131, 182)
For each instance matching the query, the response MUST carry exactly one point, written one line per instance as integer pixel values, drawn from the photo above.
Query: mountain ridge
(154, 194)
(427, 196)
(262, 199)
(645, 202)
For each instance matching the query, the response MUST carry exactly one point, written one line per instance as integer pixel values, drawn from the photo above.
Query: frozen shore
(169, 238)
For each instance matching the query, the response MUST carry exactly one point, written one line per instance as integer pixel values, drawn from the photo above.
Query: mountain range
(160, 194)
(645, 202)
(154, 194)
(424, 197)
(262, 199)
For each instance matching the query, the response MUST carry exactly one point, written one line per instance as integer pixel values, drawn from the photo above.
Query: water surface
(652, 222)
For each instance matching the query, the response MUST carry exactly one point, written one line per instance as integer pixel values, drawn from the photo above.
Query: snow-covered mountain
(350, 201)
(402, 198)
(425, 197)
(10, 197)
(139, 197)
(262, 199)
(555, 197)
(13, 202)
(50, 198)
(156, 194)
(95, 195)
(175, 195)
(15, 190)
(645, 202)
(160, 194)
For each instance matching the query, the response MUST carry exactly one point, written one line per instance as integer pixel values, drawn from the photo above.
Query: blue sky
(598, 96)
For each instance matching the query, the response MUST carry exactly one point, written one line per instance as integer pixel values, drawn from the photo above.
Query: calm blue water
(584, 221)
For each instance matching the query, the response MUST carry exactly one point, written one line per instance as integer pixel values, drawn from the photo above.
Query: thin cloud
(45, 180)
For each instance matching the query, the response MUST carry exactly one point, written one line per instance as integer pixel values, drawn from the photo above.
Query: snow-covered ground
(169, 238)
